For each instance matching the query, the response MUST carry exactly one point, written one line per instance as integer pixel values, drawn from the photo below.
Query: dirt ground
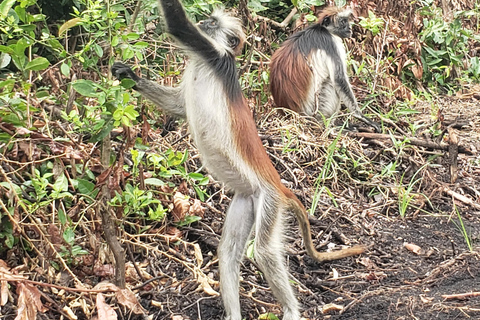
(415, 267)
(392, 280)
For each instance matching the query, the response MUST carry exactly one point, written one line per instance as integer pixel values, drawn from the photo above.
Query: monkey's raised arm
(170, 99)
(188, 35)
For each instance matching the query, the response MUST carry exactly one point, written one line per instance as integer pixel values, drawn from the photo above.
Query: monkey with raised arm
(225, 134)
(308, 73)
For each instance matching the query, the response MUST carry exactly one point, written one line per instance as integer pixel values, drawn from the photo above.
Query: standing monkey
(224, 131)
(308, 74)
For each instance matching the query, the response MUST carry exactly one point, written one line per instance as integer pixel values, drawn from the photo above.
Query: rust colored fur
(290, 78)
(248, 142)
(327, 12)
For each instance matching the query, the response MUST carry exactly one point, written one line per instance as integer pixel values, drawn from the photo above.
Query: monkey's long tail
(302, 216)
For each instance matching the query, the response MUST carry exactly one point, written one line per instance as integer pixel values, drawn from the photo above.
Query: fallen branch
(50, 285)
(461, 198)
(279, 25)
(414, 141)
(461, 296)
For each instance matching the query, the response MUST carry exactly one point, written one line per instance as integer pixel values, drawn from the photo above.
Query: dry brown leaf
(3, 293)
(128, 299)
(105, 312)
(104, 285)
(28, 302)
(181, 206)
(173, 233)
(330, 307)
(104, 270)
(426, 299)
(368, 263)
(69, 313)
(196, 209)
(198, 254)
(412, 247)
(204, 283)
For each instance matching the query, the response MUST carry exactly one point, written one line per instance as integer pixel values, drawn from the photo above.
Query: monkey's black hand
(373, 124)
(366, 120)
(122, 71)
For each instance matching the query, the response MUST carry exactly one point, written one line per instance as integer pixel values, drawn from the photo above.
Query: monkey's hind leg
(236, 231)
(269, 252)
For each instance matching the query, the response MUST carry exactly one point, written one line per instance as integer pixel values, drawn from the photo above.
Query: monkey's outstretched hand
(122, 71)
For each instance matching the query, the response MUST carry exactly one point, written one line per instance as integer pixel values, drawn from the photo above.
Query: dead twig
(461, 296)
(453, 154)
(414, 141)
(461, 198)
(279, 25)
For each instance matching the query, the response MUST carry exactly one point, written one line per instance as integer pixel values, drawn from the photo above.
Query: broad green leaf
(68, 25)
(154, 182)
(61, 184)
(38, 64)
(196, 176)
(69, 236)
(6, 49)
(85, 88)
(5, 59)
(65, 68)
(85, 186)
(5, 6)
(127, 83)
(62, 216)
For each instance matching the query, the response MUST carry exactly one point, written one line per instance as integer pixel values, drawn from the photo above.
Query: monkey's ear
(234, 42)
(326, 21)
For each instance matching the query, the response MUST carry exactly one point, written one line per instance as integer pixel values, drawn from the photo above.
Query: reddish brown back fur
(290, 77)
(249, 144)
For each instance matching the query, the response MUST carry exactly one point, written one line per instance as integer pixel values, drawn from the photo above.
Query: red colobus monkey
(308, 74)
(220, 121)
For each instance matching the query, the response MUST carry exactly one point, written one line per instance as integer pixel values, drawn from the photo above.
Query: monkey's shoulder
(313, 38)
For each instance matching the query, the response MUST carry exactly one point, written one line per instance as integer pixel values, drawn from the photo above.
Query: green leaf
(61, 184)
(9, 241)
(62, 216)
(69, 236)
(196, 176)
(188, 220)
(38, 64)
(267, 316)
(65, 68)
(85, 186)
(127, 83)
(68, 25)
(6, 49)
(85, 88)
(5, 6)
(154, 182)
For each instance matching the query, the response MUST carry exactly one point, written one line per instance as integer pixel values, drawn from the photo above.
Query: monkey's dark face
(224, 29)
(339, 25)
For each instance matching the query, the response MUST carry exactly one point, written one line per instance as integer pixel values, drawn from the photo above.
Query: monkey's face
(225, 30)
(339, 24)
(342, 27)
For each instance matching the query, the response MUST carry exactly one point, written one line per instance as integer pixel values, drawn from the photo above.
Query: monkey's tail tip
(335, 255)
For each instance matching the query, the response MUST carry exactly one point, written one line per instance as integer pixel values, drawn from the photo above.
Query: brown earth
(393, 279)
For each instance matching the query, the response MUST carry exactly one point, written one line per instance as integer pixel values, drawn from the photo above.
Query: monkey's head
(336, 21)
(224, 29)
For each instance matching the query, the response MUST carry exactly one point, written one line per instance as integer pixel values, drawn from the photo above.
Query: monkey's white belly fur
(208, 115)
(322, 96)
